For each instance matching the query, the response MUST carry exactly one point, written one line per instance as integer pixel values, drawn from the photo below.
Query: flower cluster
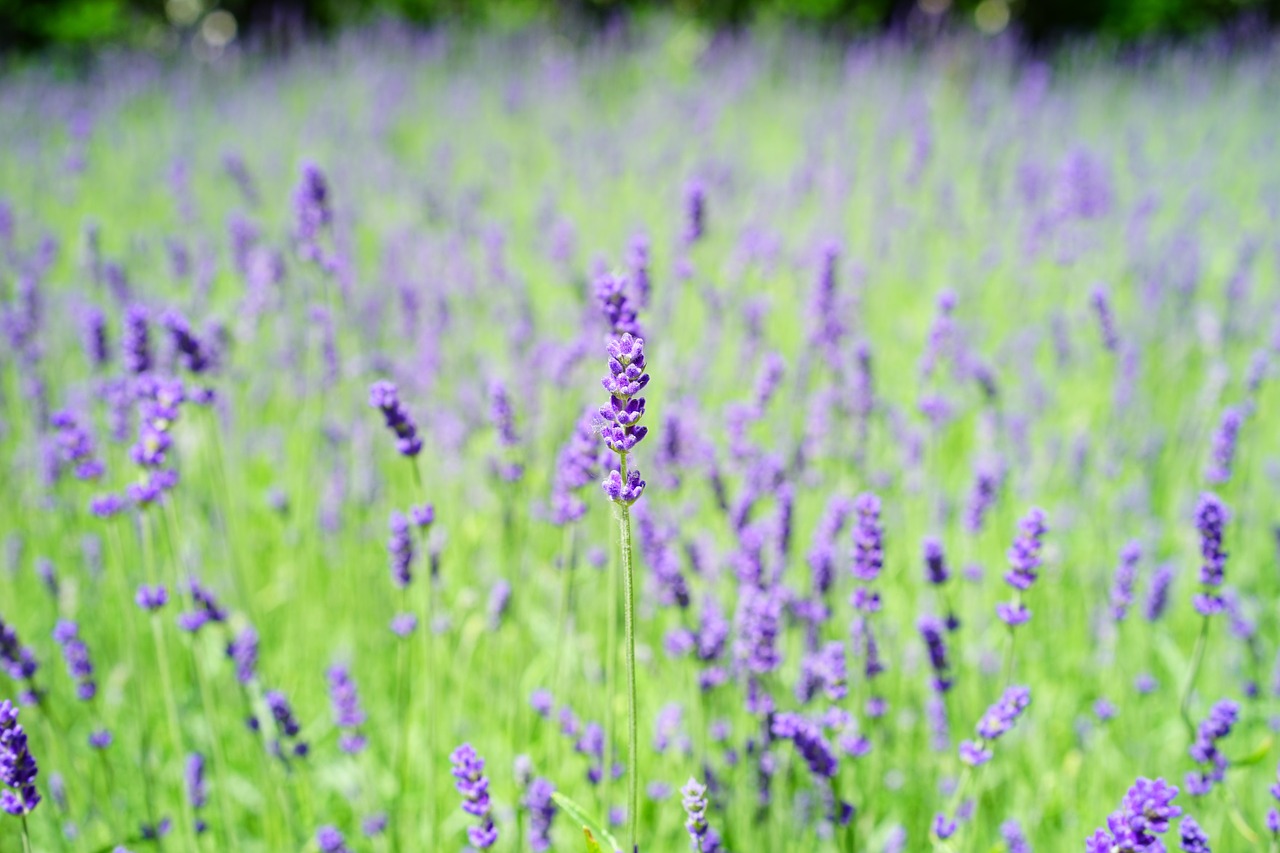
(620, 417)
(197, 792)
(1204, 750)
(1024, 562)
(287, 727)
(542, 811)
(1211, 516)
(1223, 450)
(17, 660)
(205, 609)
(468, 770)
(347, 713)
(576, 467)
(998, 720)
(702, 838)
(1125, 577)
(18, 771)
(619, 314)
(1144, 814)
(385, 397)
(67, 635)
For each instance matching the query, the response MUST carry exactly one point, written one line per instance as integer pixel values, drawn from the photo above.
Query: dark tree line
(32, 24)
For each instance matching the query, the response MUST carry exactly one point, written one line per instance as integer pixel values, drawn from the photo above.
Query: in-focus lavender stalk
(18, 770)
(468, 770)
(702, 837)
(622, 431)
(1144, 815)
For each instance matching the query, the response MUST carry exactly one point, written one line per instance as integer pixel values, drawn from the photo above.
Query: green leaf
(592, 828)
(593, 846)
(1259, 753)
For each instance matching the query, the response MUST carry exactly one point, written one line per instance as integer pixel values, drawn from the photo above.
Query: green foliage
(590, 826)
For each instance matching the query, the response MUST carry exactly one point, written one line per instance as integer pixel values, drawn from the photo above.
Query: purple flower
(206, 609)
(702, 838)
(1204, 750)
(18, 661)
(758, 619)
(1193, 838)
(542, 812)
(943, 827)
(243, 651)
(695, 205)
(400, 550)
(868, 538)
(619, 419)
(151, 598)
(1211, 516)
(1015, 841)
(1024, 561)
(18, 771)
(1158, 592)
(1106, 320)
(197, 794)
(67, 635)
(611, 296)
(311, 210)
(94, 330)
(100, 739)
(468, 770)
(1224, 446)
(935, 566)
(807, 736)
(385, 397)
(576, 467)
(191, 353)
(287, 727)
(933, 630)
(330, 840)
(135, 341)
(1125, 577)
(347, 713)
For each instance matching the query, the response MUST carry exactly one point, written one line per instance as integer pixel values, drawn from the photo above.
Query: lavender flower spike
(468, 769)
(18, 771)
(385, 396)
(702, 838)
(620, 417)
(1211, 516)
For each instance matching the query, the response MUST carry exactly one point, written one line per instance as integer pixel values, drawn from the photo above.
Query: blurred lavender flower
(1125, 577)
(347, 713)
(1204, 751)
(386, 397)
(1024, 561)
(243, 652)
(135, 341)
(67, 635)
(1223, 450)
(611, 296)
(1211, 515)
(1101, 303)
(197, 793)
(400, 549)
(542, 812)
(330, 840)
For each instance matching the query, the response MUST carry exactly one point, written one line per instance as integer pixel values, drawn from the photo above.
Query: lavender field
(928, 502)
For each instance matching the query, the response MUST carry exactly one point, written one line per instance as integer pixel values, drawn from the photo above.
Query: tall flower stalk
(621, 430)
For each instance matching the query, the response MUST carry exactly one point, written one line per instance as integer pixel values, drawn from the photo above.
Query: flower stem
(1197, 657)
(433, 689)
(628, 591)
(26, 841)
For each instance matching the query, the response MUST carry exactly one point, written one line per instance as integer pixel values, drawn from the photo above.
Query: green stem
(402, 698)
(628, 582)
(166, 681)
(432, 687)
(26, 840)
(1197, 657)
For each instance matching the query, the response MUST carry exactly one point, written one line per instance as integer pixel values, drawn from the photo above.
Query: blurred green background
(79, 24)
